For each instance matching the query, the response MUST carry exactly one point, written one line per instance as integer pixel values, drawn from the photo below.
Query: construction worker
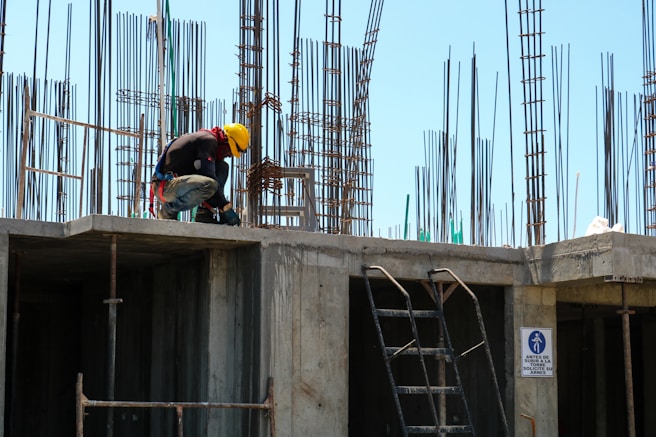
(192, 172)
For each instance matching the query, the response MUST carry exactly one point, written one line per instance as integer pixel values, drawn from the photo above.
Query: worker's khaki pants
(183, 193)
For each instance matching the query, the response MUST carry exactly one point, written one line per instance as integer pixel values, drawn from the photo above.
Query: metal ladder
(435, 383)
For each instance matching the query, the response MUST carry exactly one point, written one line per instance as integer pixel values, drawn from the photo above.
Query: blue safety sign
(537, 352)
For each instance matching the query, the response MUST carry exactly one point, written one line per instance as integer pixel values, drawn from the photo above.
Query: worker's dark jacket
(200, 153)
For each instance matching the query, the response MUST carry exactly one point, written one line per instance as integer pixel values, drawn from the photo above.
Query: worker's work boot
(165, 214)
(204, 215)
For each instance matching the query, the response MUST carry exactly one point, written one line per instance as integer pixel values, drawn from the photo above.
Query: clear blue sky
(406, 90)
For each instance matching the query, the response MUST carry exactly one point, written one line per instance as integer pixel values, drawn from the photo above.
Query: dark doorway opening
(42, 357)
(591, 383)
(56, 329)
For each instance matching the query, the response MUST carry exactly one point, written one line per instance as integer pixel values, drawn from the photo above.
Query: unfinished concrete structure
(160, 328)
(213, 314)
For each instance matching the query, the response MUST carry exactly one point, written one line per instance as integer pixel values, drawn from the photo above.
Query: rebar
(160, 68)
(435, 183)
(326, 128)
(649, 120)
(530, 19)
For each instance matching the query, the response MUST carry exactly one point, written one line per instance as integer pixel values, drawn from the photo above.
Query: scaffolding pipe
(28, 113)
(81, 402)
(111, 352)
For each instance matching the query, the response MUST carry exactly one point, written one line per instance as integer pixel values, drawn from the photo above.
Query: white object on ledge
(599, 225)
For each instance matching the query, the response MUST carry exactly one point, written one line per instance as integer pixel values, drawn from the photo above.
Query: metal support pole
(79, 407)
(628, 366)
(625, 312)
(111, 351)
(178, 411)
(441, 365)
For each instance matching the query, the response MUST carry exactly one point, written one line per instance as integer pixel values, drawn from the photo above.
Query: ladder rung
(438, 429)
(432, 351)
(421, 389)
(405, 313)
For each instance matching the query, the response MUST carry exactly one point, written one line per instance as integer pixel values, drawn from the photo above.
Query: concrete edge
(33, 228)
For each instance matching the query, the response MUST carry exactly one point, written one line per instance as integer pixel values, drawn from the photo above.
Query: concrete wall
(530, 307)
(233, 361)
(305, 326)
(305, 332)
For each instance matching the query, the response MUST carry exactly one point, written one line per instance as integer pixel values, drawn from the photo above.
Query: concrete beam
(609, 293)
(591, 258)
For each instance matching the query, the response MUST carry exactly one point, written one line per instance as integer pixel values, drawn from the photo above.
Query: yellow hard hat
(238, 138)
